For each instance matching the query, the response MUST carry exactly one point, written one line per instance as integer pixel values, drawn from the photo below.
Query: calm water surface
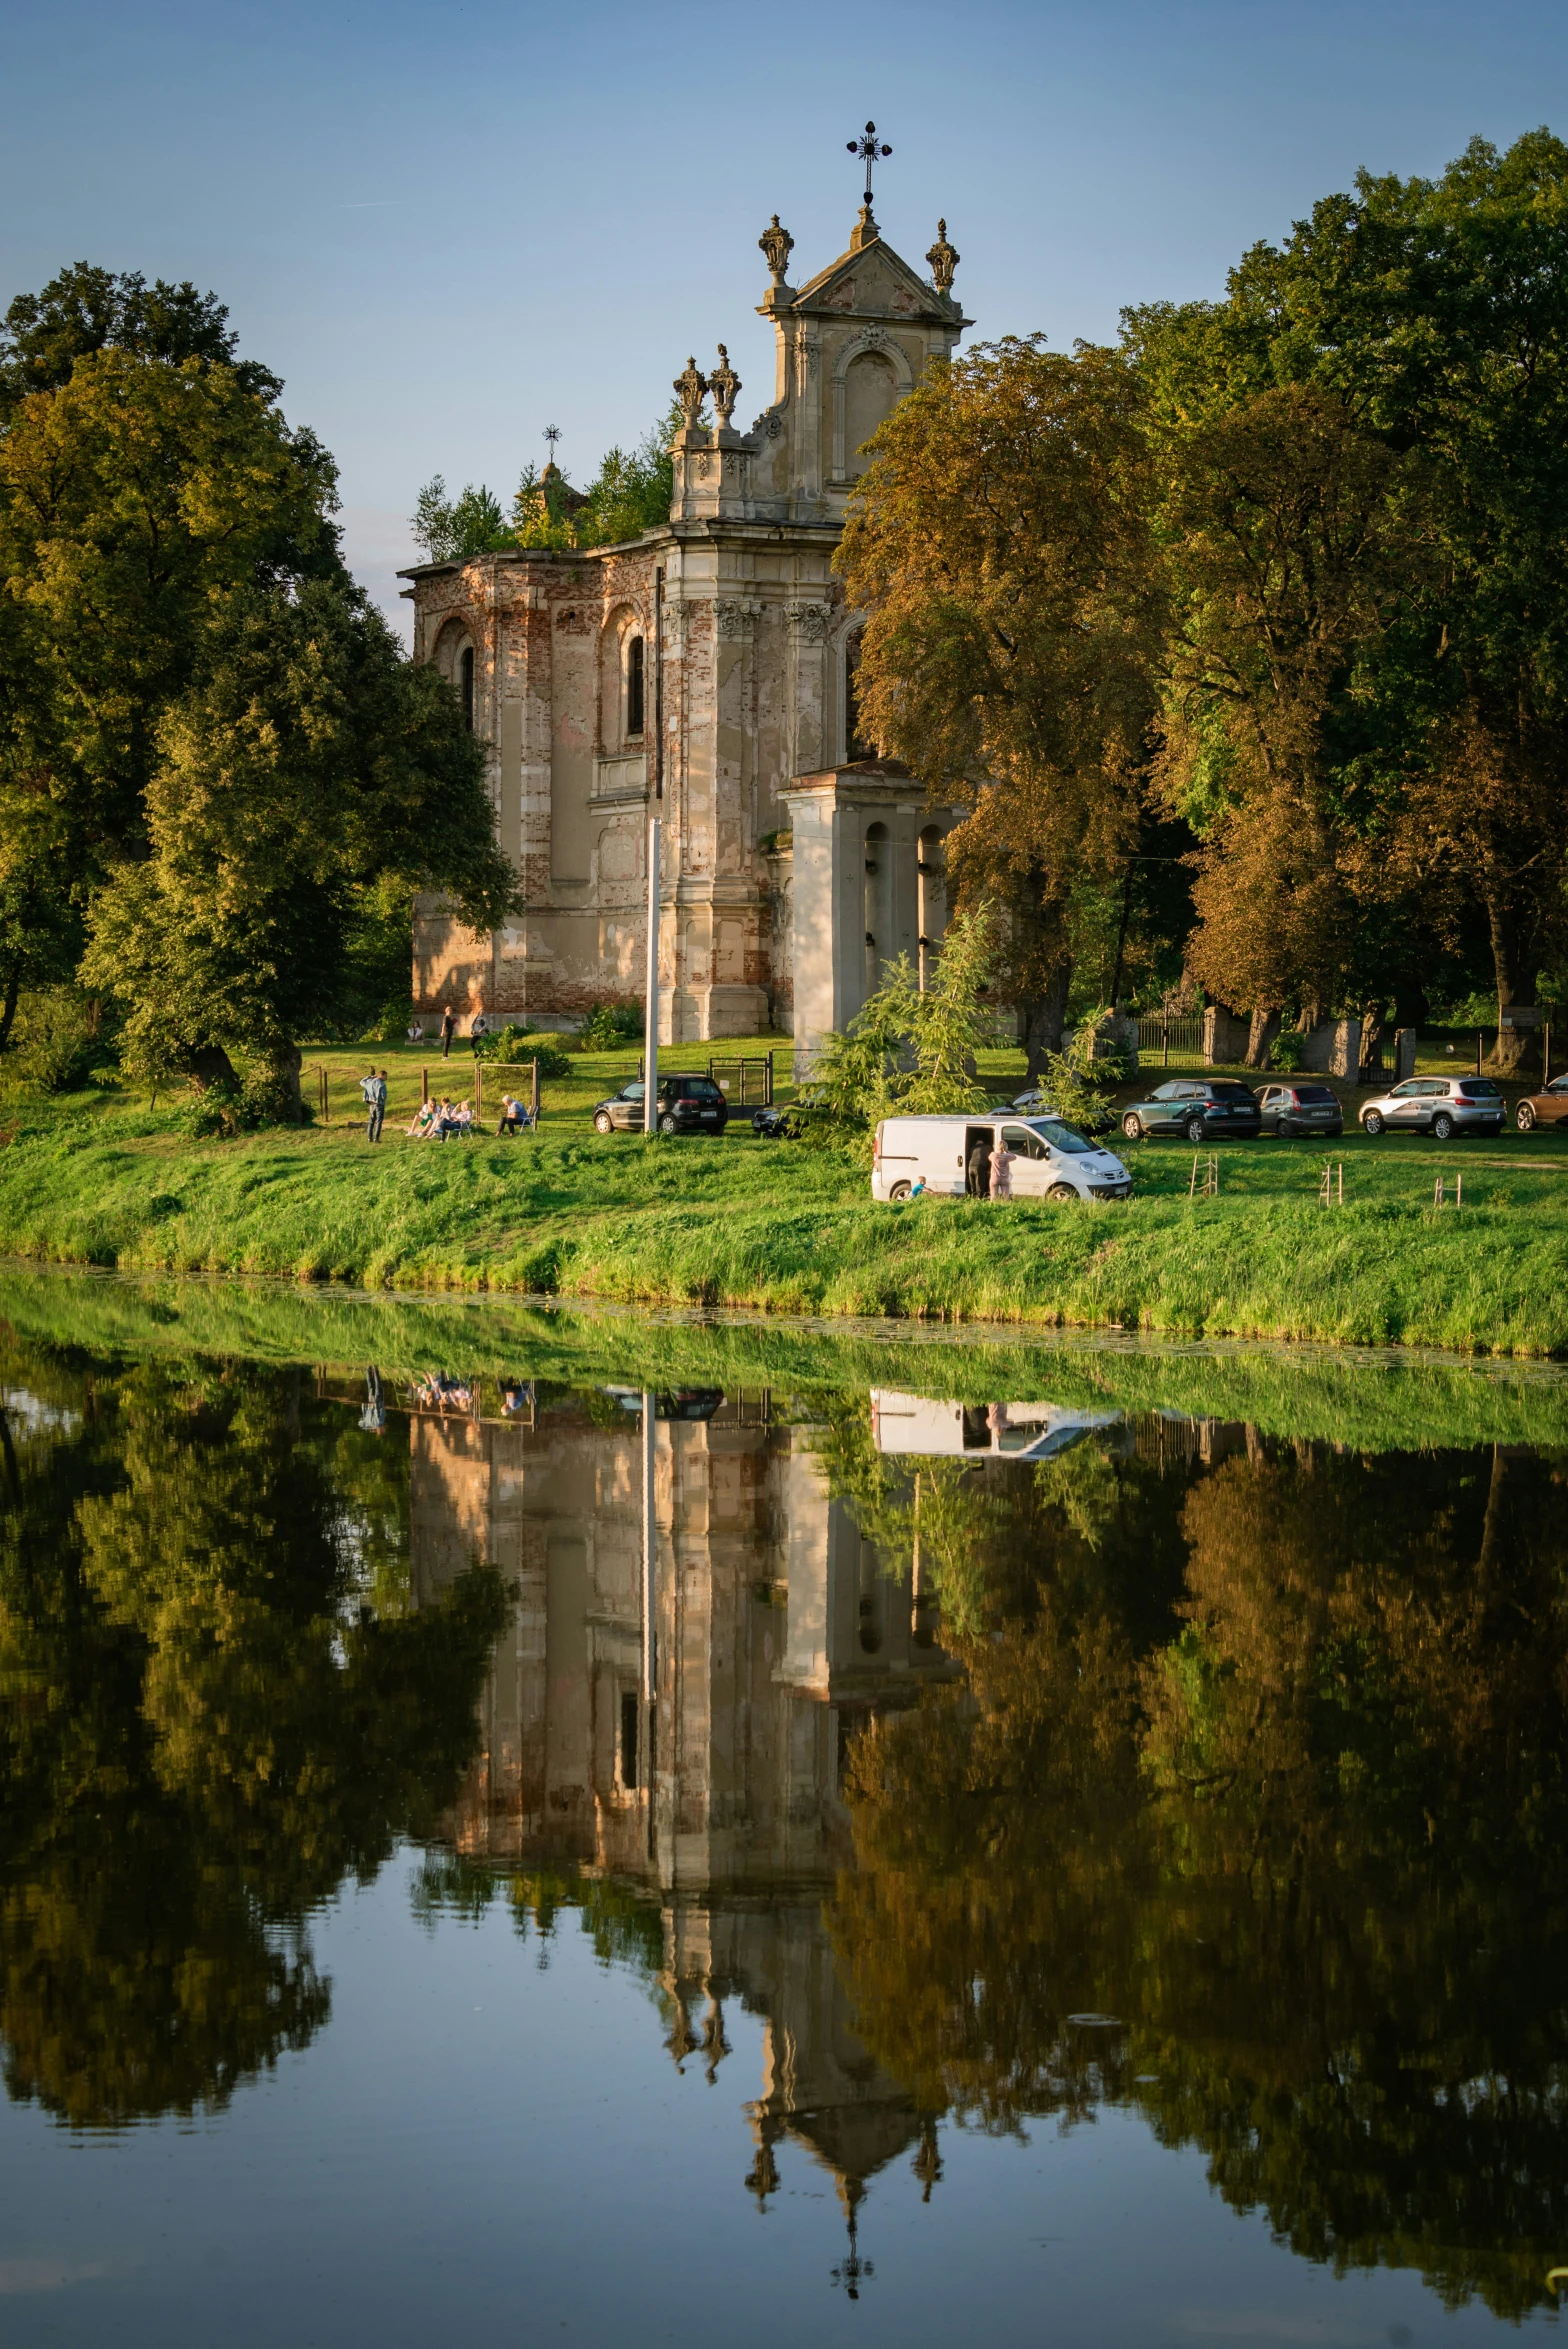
(569, 1861)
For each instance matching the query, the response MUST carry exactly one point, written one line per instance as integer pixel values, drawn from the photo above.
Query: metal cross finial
(867, 149)
(552, 433)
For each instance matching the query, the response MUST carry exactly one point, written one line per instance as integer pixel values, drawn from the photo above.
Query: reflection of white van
(1050, 1160)
(1009, 1431)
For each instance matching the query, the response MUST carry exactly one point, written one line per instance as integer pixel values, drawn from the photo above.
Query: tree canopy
(209, 743)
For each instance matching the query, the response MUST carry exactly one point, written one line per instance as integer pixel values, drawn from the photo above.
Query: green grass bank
(100, 1179)
(1367, 1399)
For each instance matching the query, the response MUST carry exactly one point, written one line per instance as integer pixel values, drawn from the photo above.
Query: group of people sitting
(446, 1120)
(437, 1390)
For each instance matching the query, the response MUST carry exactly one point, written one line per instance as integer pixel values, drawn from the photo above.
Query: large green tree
(1435, 312)
(213, 756)
(310, 761)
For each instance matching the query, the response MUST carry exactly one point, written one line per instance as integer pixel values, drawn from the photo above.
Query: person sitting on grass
(424, 1124)
(446, 1120)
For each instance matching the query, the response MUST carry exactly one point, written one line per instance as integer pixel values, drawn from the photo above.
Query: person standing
(978, 1169)
(367, 1093)
(1001, 1170)
(378, 1105)
(448, 1030)
(479, 1028)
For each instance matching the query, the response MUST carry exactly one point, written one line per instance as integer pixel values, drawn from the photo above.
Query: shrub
(515, 1047)
(229, 1106)
(609, 1025)
(57, 1043)
(1288, 1051)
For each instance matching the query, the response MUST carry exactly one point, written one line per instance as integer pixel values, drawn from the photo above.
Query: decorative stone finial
(724, 384)
(777, 244)
(691, 387)
(943, 260)
(865, 231)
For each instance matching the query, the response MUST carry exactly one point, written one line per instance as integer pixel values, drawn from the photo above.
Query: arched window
(856, 745)
(634, 685)
(466, 685)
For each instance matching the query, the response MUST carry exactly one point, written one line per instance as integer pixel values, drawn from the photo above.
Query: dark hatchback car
(1199, 1107)
(686, 1105)
(1293, 1108)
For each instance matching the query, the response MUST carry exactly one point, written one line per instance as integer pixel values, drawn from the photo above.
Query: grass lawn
(99, 1178)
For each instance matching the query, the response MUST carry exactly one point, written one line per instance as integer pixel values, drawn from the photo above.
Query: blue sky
(449, 226)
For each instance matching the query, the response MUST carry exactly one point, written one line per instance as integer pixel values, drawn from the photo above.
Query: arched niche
(871, 376)
(454, 655)
(625, 683)
(930, 895)
(878, 901)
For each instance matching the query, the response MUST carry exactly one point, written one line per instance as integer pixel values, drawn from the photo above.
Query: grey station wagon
(1301, 1109)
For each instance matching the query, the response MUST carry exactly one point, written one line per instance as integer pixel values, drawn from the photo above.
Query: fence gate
(1174, 1043)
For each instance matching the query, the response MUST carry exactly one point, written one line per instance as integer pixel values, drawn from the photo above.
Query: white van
(1050, 1160)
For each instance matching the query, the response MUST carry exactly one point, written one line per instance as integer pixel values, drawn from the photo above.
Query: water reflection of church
(698, 1628)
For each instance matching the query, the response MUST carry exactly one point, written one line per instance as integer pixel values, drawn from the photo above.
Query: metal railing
(1173, 1042)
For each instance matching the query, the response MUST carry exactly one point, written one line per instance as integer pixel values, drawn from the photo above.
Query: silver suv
(1437, 1105)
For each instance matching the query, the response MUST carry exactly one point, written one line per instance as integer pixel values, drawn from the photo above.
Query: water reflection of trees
(214, 1713)
(1302, 1841)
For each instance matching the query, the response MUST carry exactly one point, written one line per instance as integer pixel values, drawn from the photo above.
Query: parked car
(686, 1105)
(1301, 1109)
(779, 1122)
(1199, 1107)
(1050, 1160)
(1443, 1106)
(1545, 1108)
(1099, 1120)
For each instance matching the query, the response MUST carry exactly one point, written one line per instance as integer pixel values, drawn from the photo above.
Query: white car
(947, 1156)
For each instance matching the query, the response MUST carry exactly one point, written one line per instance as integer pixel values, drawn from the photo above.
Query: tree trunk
(1264, 1029)
(211, 1066)
(1515, 981)
(1044, 1016)
(1373, 1029)
(13, 989)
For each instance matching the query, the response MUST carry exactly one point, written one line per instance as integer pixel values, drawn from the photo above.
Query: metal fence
(747, 1078)
(1173, 1043)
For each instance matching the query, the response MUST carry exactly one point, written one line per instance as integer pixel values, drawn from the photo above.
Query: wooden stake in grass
(1210, 1186)
(534, 1093)
(424, 1088)
(1331, 1193)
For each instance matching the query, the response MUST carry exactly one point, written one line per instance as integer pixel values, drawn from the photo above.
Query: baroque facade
(698, 1628)
(704, 672)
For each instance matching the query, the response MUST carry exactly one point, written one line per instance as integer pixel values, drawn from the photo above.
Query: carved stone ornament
(724, 384)
(734, 619)
(810, 621)
(872, 338)
(691, 389)
(777, 245)
(703, 466)
(943, 260)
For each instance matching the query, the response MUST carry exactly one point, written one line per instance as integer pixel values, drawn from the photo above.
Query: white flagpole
(650, 1033)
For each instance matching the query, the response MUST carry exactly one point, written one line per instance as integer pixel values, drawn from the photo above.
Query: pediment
(874, 282)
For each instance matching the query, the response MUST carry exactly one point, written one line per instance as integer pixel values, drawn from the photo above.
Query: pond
(626, 1829)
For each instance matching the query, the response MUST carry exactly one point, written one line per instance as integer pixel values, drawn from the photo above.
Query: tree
(1436, 313)
(452, 529)
(1287, 550)
(910, 1048)
(88, 309)
(309, 761)
(999, 543)
(40, 925)
(130, 498)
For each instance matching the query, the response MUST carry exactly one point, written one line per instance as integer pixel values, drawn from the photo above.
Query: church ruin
(704, 672)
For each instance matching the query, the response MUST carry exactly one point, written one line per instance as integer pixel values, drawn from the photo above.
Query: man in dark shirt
(448, 1031)
(979, 1185)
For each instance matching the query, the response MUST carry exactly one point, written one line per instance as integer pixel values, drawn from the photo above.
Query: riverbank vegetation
(779, 1229)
